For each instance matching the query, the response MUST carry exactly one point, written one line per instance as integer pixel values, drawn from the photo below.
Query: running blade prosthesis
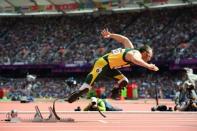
(75, 95)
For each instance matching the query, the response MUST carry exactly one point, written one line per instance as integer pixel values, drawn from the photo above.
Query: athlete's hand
(153, 67)
(105, 33)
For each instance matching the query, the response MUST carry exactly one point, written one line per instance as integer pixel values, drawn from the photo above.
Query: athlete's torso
(116, 58)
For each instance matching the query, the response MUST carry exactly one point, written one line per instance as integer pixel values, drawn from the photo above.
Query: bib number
(116, 51)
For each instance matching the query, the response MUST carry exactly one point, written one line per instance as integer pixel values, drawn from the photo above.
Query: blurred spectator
(73, 39)
(165, 83)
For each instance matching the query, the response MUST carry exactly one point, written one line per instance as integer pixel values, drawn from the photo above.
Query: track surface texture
(135, 117)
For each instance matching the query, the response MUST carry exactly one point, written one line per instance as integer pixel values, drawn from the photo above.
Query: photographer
(186, 98)
(100, 104)
(28, 87)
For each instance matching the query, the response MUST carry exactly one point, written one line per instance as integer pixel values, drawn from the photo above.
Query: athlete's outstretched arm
(119, 38)
(136, 58)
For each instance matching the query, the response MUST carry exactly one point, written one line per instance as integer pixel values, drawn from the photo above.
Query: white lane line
(107, 112)
(102, 121)
(64, 130)
(106, 126)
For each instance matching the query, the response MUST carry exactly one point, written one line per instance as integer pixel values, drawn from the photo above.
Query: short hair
(145, 48)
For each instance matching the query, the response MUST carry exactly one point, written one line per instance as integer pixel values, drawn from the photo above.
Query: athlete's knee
(123, 82)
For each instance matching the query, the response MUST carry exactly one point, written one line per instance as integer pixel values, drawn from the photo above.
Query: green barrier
(135, 93)
(5, 99)
(124, 92)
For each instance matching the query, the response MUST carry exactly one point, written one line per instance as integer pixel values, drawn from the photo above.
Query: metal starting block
(53, 117)
(38, 116)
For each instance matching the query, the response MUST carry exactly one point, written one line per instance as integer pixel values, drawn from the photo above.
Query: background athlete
(108, 64)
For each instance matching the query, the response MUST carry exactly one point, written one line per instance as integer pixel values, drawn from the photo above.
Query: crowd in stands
(41, 88)
(166, 86)
(76, 39)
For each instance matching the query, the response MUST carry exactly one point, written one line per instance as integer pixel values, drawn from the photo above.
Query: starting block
(38, 116)
(53, 117)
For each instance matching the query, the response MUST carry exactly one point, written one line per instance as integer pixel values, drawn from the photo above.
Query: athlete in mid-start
(109, 63)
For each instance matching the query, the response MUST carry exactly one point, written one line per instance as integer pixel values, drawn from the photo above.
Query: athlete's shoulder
(134, 52)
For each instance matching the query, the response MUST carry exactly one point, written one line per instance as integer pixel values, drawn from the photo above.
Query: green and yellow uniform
(108, 64)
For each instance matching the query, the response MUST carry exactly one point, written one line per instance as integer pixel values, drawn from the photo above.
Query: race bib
(116, 51)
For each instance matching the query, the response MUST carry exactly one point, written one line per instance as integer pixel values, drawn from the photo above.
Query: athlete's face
(147, 55)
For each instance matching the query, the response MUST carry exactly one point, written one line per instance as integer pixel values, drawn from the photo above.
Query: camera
(161, 108)
(93, 103)
(78, 108)
(31, 78)
(71, 81)
(189, 85)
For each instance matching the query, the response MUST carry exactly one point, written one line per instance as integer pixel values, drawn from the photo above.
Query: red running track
(121, 121)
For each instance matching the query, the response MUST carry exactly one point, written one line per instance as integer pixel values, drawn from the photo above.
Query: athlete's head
(146, 52)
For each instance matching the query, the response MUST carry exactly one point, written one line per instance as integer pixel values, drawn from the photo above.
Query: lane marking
(102, 121)
(107, 112)
(106, 126)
